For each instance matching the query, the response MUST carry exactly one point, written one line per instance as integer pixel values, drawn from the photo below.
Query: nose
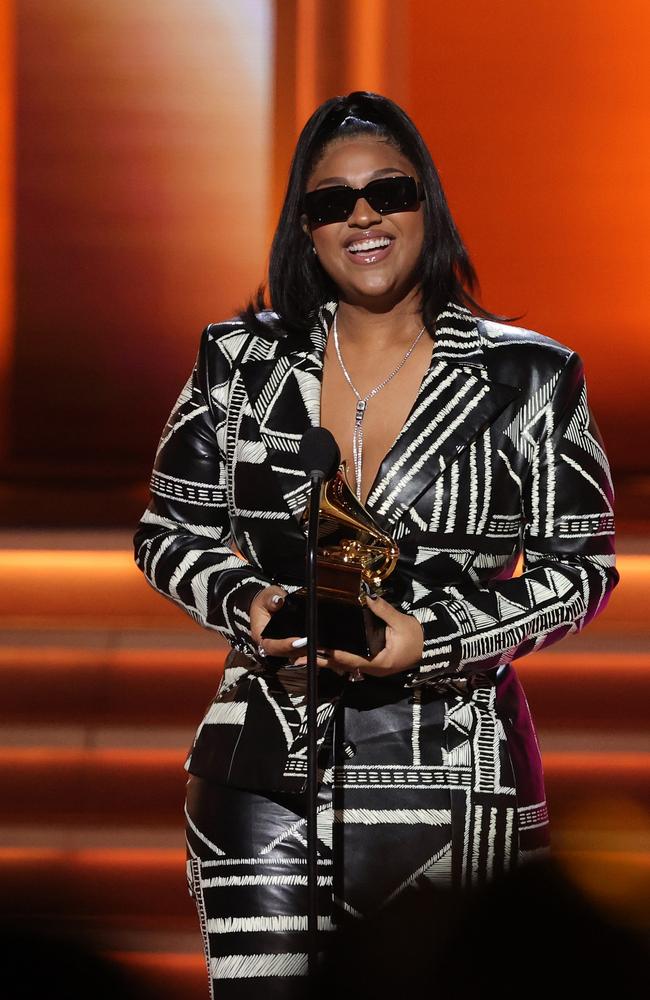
(363, 215)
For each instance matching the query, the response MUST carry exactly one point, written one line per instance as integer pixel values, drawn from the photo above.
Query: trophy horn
(350, 536)
(354, 558)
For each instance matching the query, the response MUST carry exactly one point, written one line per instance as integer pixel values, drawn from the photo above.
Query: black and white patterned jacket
(499, 456)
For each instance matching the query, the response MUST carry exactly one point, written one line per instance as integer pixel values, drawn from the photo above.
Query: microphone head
(319, 453)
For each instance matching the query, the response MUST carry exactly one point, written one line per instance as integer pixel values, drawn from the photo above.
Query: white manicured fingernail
(298, 643)
(277, 598)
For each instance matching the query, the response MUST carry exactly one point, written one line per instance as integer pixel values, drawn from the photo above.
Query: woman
(470, 442)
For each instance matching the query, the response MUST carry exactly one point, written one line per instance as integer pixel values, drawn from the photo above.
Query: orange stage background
(538, 113)
(150, 155)
(144, 150)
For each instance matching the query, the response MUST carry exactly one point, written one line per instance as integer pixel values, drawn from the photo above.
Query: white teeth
(376, 244)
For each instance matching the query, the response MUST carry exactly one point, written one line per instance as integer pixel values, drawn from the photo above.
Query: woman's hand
(403, 649)
(265, 603)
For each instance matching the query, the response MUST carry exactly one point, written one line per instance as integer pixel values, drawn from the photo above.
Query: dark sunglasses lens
(394, 194)
(333, 204)
(336, 204)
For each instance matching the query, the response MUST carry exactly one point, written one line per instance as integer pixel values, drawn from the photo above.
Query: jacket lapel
(456, 401)
(284, 393)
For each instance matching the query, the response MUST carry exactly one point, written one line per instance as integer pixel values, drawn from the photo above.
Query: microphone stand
(320, 456)
(312, 704)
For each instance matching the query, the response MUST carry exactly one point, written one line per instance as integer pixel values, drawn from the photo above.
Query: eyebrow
(375, 174)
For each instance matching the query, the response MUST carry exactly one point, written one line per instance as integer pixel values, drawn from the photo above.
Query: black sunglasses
(386, 195)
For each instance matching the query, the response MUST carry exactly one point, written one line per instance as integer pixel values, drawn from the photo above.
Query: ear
(304, 224)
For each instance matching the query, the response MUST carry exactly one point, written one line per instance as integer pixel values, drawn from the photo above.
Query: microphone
(319, 453)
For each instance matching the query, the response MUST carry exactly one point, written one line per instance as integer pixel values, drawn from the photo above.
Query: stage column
(7, 159)
(324, 48)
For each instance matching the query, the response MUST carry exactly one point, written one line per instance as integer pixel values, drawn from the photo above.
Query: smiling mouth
(368, 245)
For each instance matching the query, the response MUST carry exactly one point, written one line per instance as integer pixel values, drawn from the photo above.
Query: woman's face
(379, 275)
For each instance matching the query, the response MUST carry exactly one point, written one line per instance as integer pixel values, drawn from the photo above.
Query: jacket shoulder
(498, 335)
(233, 340)
(521, 352)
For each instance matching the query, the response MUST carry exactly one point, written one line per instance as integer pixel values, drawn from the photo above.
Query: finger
(285, 647)
(381, 660)
(348, 661)
(274, 598)
(384, 610)
(321, 661)
(281, 647)
(321, 654)
(387, 661)
(376, 670)
(265, 603)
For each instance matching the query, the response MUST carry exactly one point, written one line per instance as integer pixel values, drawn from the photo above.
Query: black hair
(298, 284)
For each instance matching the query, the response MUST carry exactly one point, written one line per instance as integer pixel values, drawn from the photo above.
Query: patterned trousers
(420, 791)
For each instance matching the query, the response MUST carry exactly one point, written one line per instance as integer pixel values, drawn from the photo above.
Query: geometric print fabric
(499, 457)
(436, 770)
(438, 812)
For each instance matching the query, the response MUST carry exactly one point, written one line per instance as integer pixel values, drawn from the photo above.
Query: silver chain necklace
(362, 403)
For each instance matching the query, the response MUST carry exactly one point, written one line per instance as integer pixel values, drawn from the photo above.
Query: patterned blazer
(499, 456)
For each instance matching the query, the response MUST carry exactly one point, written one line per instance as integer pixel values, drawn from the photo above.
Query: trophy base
(341, 625)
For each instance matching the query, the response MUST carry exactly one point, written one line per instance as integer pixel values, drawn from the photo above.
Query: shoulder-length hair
(298, 284)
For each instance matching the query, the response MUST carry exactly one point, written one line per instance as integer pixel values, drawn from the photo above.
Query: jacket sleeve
(568, 550)
(182, 544)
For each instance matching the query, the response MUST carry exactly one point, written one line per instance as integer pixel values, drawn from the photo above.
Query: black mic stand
(312, 704)
(320, 458)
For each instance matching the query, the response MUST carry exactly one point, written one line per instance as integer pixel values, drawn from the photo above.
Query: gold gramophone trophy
(354, 559)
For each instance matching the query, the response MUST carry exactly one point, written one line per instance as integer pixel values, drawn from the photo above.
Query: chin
(374, 288)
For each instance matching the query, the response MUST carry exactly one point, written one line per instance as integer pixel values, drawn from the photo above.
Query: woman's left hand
(403, 649)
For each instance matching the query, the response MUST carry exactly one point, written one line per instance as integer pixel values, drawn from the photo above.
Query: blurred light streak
(47, 585)
(537, 117)
(7, 220)
(142, 196)
(368, 49)
(308, 47)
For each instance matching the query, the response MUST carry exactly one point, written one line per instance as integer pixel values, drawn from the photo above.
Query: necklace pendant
(357, 438)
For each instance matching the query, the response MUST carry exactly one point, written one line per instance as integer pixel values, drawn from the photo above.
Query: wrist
(243, 602)
(255, 598)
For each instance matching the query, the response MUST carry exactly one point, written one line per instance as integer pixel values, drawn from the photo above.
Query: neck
(364, 326)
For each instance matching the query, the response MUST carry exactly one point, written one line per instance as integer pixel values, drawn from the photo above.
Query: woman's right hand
(266, 603)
